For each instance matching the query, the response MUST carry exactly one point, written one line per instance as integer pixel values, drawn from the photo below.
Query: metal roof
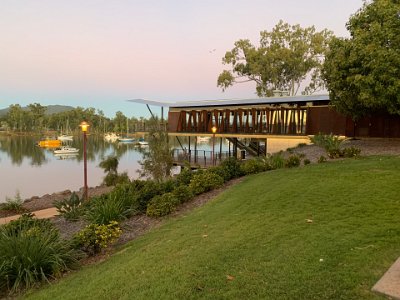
(224, 102)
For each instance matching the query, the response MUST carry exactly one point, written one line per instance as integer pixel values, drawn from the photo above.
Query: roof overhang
(228, 102)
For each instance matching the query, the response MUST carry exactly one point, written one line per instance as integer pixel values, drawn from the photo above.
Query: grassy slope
(257, 233)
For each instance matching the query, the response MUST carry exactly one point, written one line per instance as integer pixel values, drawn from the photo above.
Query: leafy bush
(292, 161)
(321, 159)
(204, 182)
(306, 161)
(183, 193)
(31, 251)
(94, 237)
(107, 208)
(13, 204)
(331, 143)
(184, 177)
(351, 152)
(253, 166)
(145, 190)
(162, 205)
(232, 166)
(221, 171)
(167, 186)
(112, 179)
(71, 209)
(276, 161)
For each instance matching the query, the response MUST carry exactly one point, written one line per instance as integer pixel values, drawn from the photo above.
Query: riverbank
(313, 153)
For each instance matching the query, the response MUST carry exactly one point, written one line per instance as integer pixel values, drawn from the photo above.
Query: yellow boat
(50, 143)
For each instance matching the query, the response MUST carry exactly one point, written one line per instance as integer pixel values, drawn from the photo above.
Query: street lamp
(84, 127)
(213, 130)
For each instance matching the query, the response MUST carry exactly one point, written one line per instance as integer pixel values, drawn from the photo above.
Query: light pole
(84, 127)
(213, 130)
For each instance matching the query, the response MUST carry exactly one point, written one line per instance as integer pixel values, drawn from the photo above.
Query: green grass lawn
(253, 241)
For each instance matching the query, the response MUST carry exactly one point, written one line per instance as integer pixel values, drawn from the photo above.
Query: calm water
(34, 171)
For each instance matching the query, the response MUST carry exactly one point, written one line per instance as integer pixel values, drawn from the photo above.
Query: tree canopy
(363, 72)
(287, 56)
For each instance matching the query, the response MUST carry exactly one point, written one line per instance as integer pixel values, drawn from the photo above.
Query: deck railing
(201, 158)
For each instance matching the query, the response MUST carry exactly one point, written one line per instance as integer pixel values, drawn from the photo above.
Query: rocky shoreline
(46, 201)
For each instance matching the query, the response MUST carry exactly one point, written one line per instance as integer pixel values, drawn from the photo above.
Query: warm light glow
(214, 129)
(84, 126)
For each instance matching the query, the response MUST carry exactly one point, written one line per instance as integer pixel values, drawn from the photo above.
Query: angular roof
(225, 102)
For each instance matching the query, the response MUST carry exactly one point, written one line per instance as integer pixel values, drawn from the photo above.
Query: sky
(100, 53)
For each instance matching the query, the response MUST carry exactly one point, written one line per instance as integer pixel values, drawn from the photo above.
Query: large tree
(363, 72)
(286, 57)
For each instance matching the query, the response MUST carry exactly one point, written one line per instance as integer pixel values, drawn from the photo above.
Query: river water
(33, 171)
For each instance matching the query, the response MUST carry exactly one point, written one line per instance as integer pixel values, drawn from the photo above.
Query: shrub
(292, 161)
(306, 161)
(331, 143)
(321, 159)
(107, 208)
(253, 166)
(351, 151)
(232, 166)
(31, 251)
(183, 193)
(221, 171)
(204, 182)
(276, 161)
(71, 209)
(167, 186)
(13, 204)
(162, 205)
(184, 177)
(94, 237)
(127, 195)
(145, 190)
(112, 179)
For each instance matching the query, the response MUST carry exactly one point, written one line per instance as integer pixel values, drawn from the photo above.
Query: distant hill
(50, 109)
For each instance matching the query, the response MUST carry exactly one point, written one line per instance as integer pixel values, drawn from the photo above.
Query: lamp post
(213, 130)
(84, 127)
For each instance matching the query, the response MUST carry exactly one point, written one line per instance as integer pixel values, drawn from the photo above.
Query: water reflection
(35, 171)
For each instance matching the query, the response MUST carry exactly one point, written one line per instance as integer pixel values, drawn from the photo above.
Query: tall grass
(31, 251)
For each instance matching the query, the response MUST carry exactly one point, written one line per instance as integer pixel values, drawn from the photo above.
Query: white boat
(126, 140)
(66, 150)
(143, 143)
(66, 156)
(65, 137)
(111, 137)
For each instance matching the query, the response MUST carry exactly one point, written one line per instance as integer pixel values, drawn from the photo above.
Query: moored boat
(66, 150)
(65, 137)
(50, 143)
(111, 137)
(126, 140)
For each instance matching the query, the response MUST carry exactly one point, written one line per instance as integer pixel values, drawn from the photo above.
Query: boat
(50, 143)
(66, 150)
(66, 156)
(65, 137)
(143, 143)
(126, 140)
(111, 137)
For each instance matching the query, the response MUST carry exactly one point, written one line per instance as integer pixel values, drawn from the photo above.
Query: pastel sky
(99, 53)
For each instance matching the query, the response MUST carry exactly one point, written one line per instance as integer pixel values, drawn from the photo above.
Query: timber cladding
(281, 120)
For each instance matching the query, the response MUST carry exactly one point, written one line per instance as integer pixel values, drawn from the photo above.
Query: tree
(157, 161)
(285, 58)
(363, 72)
